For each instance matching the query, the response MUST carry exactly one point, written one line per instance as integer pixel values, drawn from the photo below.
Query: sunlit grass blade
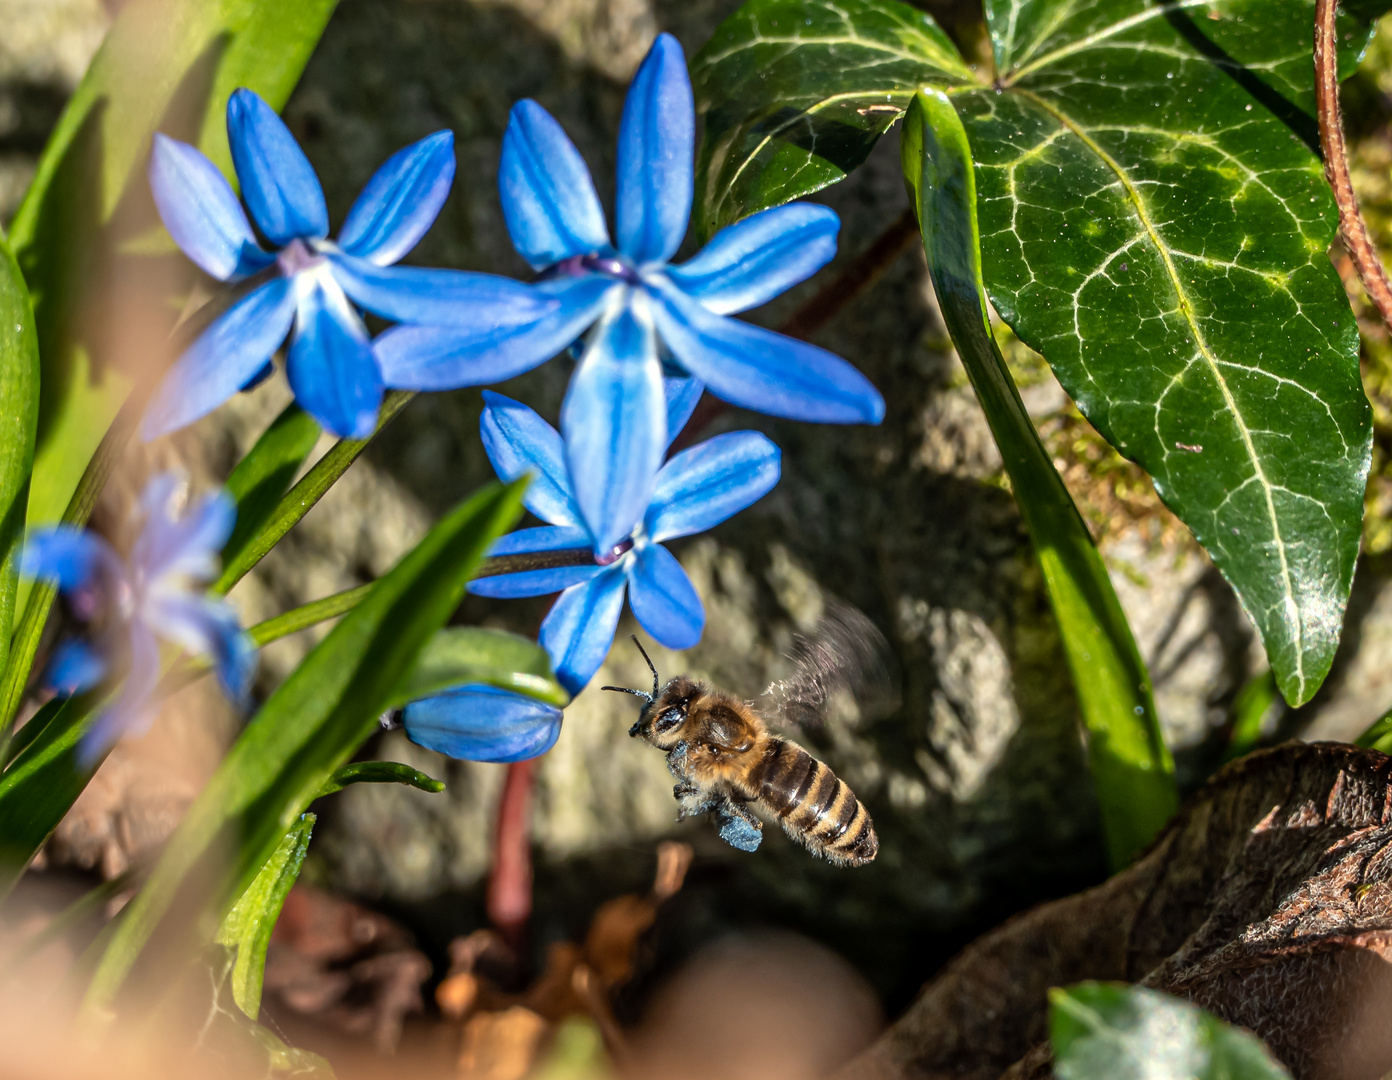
(1132, 769)
(311, 726)
(19, 411)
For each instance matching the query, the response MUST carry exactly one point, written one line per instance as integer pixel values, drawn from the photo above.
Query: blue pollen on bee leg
(739, 832)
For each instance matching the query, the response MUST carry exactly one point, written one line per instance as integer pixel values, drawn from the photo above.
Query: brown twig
(862, 272)
(1336, 168)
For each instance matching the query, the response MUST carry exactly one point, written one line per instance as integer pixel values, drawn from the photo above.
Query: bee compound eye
(670, 718)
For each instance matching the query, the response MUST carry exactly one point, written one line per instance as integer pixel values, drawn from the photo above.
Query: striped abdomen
(814, 806)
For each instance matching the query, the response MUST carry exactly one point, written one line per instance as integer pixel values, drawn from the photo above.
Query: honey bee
(725, 758)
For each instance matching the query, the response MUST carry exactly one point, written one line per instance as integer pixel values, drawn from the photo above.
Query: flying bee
(725, 758)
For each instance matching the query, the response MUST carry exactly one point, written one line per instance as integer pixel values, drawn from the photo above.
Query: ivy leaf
(1154, 221)
(1125, 1032)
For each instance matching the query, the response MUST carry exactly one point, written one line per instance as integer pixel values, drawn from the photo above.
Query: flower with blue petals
(135, 603)
(309, 282)
(477, 722)
(696, 490)
(643, 313)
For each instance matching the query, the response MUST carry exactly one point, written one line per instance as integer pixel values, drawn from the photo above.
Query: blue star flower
(483, 723)
(140, 601)
(642, 312)
(311, 283)
(696, 490)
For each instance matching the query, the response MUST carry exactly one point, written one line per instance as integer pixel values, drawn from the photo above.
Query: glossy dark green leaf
(247, 928)
(380, 772)
(1155, 222)
(163, 66)
(476, 654)
(19, 410)
(1132, 770)
(1111, 1031)
(796, 93)
(261, 479)
(311, 726)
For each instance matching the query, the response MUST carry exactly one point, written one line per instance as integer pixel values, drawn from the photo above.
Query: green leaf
(301, 498)
(380, 772)
(260, 480)
(476, 654)
(1379, 734)
(248, 926)
(311, 726)
(19, 410)
(165, 67)
(1155, 222)
(1249, 708)
(1129, 1033)
(796, 93)
(1131, 767)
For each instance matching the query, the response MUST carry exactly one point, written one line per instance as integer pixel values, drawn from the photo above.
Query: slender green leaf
(248, 926)
(1379, 734)
(307, 615)
(164, 66)
(1250, 708)
(261, 479)
(1130, 1033)
(476, 654)
(380, 772)
(1131, 766)
(301, 498)
(311, 725)
(19, 411)
(1155, 222)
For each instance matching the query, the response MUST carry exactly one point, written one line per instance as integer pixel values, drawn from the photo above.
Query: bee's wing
(845, 657)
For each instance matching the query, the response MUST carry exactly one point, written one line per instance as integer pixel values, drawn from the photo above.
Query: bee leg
(695, 809)
(737, 826)
(677, 763)
(682, 790)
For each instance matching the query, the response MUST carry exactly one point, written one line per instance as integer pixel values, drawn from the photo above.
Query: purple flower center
(577, 265)
(295, 257)
(613, 554)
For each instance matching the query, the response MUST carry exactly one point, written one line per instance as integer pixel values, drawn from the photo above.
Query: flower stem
(509, 900)
(1336, 168)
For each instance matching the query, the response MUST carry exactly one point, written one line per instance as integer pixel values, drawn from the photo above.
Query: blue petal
(657, 138)
(75, 667)
(332, 369)
(683, 392)
(580, 628)
(134, 708)
(205, 626)
(200, 211)
(188, 546)
(757, 369)
(549, 200)
(537, 582)
(701, 487)
(69, 557)
(278, 182)
(614, 419)
(500, 345)
(663, 598)
(518, 441)
(752, 261)
(223, 358)
(401, 201)
(415, 294)
(483, 723)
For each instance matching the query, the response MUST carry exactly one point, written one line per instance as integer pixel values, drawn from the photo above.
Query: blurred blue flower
(643, 312)
(310, 282)
(696, 490)
(131, 605)
(483, 723)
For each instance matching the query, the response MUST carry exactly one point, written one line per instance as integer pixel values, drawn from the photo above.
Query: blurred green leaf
(261, 479)
(248, 926)
(165, 65)
(301, 498)
(310, 727)
(1250, 707)
(1111, 1031)
(1154, 220)
(19, 410)
(1131, 766)
(380, 772)
(1379, 734)
(476, 654)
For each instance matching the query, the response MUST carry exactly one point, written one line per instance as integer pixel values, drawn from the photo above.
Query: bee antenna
(629, 690)
(651, 666)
